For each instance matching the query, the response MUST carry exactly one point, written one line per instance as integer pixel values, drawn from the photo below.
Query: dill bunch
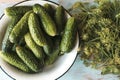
(99, 32)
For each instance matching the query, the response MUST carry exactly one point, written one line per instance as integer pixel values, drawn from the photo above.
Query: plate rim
(45, 1)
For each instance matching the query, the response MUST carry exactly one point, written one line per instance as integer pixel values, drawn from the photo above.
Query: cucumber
(13, 59)
(20, 43)
(51, 59)
(69, 36)
(60, 18)
(49, 46)
(35, 30)
(55, 53)
(20, 29)
(28, 58)
(48, 24)
(47, 49)
(50, 9)
(37, 50)
(17, 10)
(6, 44)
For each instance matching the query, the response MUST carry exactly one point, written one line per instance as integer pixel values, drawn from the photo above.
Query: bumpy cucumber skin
(35, 30)
(28, 58)
(69, 36)
(20, 43)
(6, 44)
(37, 50)
(51, 59)
(17, 10)
(20, 29)
(50, 9)
(55, 53)
(48, 48)
(59, 18)
(14, 60)
(48, 24)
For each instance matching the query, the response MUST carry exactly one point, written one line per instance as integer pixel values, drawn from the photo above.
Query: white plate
(52, 72)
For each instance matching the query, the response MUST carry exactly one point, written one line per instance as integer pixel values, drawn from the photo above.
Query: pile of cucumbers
(36, 36)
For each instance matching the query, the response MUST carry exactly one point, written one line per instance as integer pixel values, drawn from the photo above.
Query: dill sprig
(110, 9)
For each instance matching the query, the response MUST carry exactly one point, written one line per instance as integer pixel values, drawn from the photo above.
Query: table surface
(78, 71)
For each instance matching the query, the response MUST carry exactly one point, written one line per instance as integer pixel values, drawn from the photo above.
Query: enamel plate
(52, 72)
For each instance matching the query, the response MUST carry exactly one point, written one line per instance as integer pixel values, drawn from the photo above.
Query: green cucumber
(48, 48)
(13, 59)
(37, 50)
(35, 30)
(17, 10)
(55, 53)
(48, 24)
(50, 9)
(20, 43)
(60, 18)
(69, 36)
(20, 29)
(6, 44)
(51, 59)
(29, 59)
